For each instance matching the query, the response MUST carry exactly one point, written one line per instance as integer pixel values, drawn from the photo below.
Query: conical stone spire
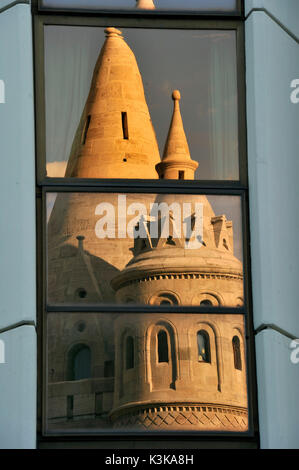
(115, 137)
(176, 162)
(145, 5)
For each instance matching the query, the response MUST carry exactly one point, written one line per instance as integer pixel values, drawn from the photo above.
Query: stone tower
(115, 139)
(142, 371)
(180, 372)
(183, 372)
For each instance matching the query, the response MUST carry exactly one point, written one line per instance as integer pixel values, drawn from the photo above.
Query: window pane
(193, 5)
(137, 111)
(177, 394)
(144, 249)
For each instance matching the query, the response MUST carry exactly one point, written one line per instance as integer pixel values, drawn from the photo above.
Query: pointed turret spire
(176, 162)
(115, 137)
(145, 5)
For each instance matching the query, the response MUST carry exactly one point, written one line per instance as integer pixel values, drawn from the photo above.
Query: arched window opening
(206, 302)
(164, 299)
(129, 353)
(79, 363)
(203, 344)
(237, 353)
(163, 355)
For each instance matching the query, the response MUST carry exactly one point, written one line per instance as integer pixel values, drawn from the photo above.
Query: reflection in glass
(143, 5)
(163, 387)
(162, 346)
(144, 249)
(237, 353)
(129, 352)
(117, 113)
(79, 362)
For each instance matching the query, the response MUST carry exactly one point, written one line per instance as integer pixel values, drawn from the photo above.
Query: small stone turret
(176, 162)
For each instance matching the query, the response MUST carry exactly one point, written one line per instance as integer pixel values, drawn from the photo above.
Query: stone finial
(176, 162)
(112, 32)
(176, 95)
(145, 5)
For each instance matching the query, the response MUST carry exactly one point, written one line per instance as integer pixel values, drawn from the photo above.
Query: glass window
(150, 118)
(144, 249)
(169, 388)
(143, 220)
(219, 6)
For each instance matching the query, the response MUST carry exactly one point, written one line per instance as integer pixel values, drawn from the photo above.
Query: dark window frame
(215, 187)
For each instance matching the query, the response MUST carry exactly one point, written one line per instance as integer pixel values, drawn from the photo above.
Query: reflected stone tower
(115, 139)
(176, 162)
(140, 371)
(181, 372)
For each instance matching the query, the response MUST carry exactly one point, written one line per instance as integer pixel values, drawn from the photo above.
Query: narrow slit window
(124, 120)
(130, 360)
(181, 175)
(237, 353)
(79, 363)
(86, 129)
